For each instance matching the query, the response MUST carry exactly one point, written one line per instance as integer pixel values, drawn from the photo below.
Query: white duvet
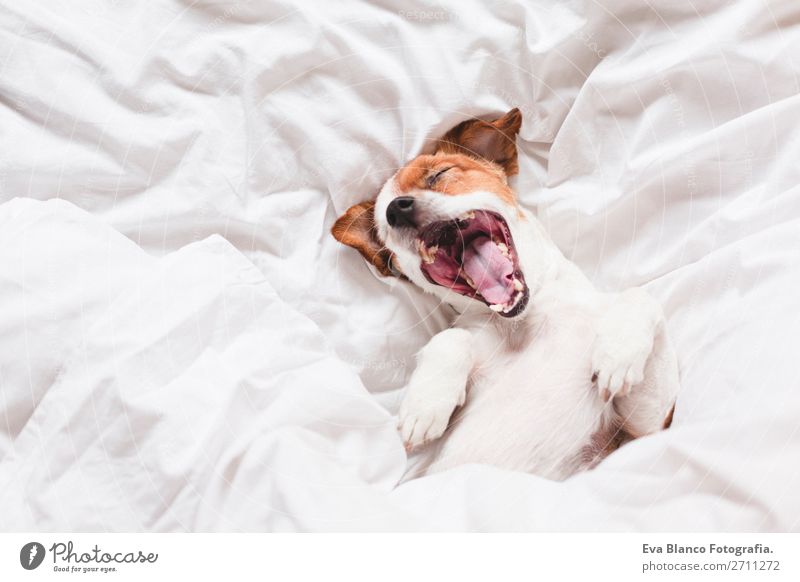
(184, 347)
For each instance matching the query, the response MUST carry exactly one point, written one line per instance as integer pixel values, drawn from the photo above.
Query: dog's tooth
(518, 285)
(469, 280)
(426, 256)
(517, 299)
(495, 307)
(503, 248)
(430, 254)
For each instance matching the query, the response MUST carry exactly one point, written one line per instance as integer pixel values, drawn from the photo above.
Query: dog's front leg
(437, 386)
(625, 334)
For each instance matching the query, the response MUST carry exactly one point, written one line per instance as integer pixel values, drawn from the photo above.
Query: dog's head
(449, 221)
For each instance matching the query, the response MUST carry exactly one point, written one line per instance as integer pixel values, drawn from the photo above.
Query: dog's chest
(549, 354)
(531, 404)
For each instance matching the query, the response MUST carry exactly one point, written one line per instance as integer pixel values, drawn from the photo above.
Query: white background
(424, 556)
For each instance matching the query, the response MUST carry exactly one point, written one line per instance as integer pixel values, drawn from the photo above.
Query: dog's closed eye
(433, 178)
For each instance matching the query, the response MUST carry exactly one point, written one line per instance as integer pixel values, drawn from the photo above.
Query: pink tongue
(490, 270)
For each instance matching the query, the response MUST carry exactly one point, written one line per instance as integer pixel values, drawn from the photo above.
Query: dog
(539, 372)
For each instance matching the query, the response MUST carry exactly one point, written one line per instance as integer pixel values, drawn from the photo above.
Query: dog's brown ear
(356, 228)
(491, 140)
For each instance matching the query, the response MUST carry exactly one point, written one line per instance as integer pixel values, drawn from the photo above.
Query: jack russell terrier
(540, 371)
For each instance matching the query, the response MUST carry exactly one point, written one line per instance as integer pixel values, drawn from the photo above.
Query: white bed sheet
(185, 348)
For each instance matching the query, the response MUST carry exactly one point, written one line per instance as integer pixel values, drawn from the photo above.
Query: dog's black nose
(401, 212)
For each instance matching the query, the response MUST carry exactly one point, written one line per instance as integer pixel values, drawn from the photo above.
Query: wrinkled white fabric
(184, 346)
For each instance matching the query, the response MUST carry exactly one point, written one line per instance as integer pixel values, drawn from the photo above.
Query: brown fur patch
(465, 175)
(494, 141)
(668, 419)
(356, 228)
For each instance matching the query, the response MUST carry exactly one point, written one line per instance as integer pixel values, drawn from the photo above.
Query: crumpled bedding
(185, 348)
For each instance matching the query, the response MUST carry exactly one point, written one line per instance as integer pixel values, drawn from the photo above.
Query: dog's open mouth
(475, 256)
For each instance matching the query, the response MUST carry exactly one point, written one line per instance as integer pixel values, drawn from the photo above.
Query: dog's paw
(424, 419)
(617, 367)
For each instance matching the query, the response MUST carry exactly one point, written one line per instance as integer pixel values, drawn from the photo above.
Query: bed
(185, 348)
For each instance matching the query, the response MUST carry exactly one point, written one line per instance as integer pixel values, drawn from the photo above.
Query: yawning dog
(540, 371)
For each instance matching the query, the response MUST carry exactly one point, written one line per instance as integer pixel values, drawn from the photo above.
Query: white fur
(524, 385)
